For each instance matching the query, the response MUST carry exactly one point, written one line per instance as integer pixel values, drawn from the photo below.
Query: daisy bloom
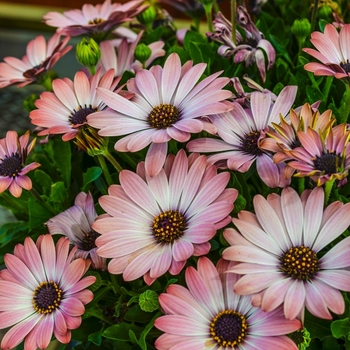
(284, 136)
(40, 57)
(241, 130)
(13, 154)
(332, 51)
(167, 104)
(95, 21)
(42, 293)
(64, 110)
(209, 315)
(121, 57)
(75, 223)
(249, 48)
(278, 253)
(178, 211)
(324, 157)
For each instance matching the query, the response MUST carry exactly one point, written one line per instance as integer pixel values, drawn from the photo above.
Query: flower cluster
(187, 188)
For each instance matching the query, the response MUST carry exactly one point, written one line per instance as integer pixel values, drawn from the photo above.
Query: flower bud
(301, 28)
(147, 16)
(142, 53)
(325, 12)
(148, 301)
(88, 53)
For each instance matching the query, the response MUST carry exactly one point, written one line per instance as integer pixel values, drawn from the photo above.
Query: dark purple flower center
(250, 143)
(345, 66)
(11, 166)
(163, 116)
(328, 163)
(169, 226)
(299, 263)
(47, 297)
(96, 21)
(296, 143)
(228, 328)
(79, 116)
(88, 241)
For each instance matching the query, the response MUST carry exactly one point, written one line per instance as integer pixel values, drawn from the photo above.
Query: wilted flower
(95, 21)
(64, 110)
(40, 58)
(75, 223)
(250, 48)
(209, 315)
(278, 253)
(42, 293)
(13, 154)
(167, 105)
(332, 51)
(178, 211)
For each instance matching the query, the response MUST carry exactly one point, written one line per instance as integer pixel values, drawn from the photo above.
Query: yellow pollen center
(163, 116)
(228, 328)
(299, 263)
(47, 297)
(96, 21)
(168, 226)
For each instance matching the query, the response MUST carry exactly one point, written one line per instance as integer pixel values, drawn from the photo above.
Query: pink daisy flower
(208, 315)
(40, 57)
(42, 293)
(96, 21)
(75, 223)
(241, 131)
(322, 156)
(64, 110)
(167, 104)
(278, 253)
(13, 154)
(178, 211)
(332, 50)
(121, 57)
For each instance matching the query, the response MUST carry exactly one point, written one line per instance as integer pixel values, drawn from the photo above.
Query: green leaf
(58, 193)
(317, 327)
(44, 180)
(96, 337)
(90, 176)
(61, 157)
(120, 331)
(9, 230)
(193, 37)
(341, 328)
(38, 214)
(142, 340)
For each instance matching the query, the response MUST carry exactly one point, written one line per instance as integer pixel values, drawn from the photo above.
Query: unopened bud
(148, 301)
(142, 53)
(301, 28)
(88, 53)
(147, 16)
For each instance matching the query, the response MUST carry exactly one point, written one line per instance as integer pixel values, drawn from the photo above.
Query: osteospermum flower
(332, 51)
(121, 57)
(208, 315)
(167, 104)
(241, 131)
(278, 249)
(284, 136)
(95, 21)
(64, 110)
(13, 154)
(75, 223)
(324, 157)
(249, 48)
(42, 293)
(40, 57)
(178, 211)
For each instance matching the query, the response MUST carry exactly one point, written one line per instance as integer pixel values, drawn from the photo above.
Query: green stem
(208, 11)
(233, 20)
(113, 161)
(46, 205)
(345, 109)
(105, 170)
(314, 15)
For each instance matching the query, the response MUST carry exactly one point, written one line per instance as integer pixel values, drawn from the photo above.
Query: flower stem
(105, 170)
(314, 15)
(345, 108)
(46, 205)
(208, 10)
(233, 19)
(113, 161)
